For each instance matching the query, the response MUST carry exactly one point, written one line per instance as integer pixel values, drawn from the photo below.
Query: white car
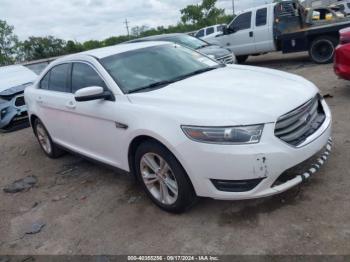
(185, 125)
(209, 32)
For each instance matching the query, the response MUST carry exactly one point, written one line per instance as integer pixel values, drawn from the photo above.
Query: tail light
(344, 39)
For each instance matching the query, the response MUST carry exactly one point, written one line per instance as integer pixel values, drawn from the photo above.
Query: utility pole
(127, 26)
(233, 7)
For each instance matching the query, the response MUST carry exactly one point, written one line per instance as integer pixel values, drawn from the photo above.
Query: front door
(240, 37)
(92, 124)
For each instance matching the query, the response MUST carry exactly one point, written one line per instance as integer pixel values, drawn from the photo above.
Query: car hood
(215, 50)
(232, 95)
(14, 76)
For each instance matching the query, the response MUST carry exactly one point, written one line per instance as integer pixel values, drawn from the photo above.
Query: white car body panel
(234, 95)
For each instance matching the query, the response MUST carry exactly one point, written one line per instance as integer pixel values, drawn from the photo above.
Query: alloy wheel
(159, 178)
(43, 138)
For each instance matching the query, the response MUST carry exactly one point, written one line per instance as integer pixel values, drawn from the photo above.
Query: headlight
(225, 135)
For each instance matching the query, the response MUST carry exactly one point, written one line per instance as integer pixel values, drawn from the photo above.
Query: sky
(83, 20)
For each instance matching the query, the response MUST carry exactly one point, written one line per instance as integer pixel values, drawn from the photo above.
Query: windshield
(188, 41)
(138, 69)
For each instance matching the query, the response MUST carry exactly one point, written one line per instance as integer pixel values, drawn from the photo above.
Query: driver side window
(242, 22)
(84, 76)
(200, 33)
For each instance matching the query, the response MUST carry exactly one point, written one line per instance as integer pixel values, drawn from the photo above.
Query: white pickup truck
(286, 26)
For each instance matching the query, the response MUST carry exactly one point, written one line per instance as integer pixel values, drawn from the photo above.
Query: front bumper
(267, 161)
(13, 114)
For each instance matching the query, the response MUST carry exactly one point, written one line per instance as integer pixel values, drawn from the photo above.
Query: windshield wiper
(202, 46)
(200, 71)
(167, 82)
(152, 86)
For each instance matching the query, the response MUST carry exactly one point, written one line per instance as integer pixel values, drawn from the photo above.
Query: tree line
(12, 50)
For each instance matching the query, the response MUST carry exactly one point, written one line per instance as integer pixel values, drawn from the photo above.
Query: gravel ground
(85, 208)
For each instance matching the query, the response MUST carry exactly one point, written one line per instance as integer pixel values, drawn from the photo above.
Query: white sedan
(183, 124)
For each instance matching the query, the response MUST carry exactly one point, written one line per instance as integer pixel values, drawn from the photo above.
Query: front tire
(163, 178)
(242, 59)
(45, 141)
(322, 49)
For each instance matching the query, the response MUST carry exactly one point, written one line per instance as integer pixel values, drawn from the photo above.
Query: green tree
(42, 47)
(92, 44)
(203, 14)
(73, 47)
(114, 40)
(8, 43)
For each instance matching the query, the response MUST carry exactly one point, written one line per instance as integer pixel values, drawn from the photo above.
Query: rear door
(240, 38)
(263, 31)
(53, 98)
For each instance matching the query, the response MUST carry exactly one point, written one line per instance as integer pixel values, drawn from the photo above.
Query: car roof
(111, 50)
(155, 37)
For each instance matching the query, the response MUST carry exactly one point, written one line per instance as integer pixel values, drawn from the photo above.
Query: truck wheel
(322, 49)
(242, 58)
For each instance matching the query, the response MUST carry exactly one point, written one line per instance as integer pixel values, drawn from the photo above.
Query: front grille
(227, 59)
(20, 101)
(297, 125)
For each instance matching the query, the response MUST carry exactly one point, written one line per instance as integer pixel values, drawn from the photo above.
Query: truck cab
(250, 32)
(285, 26)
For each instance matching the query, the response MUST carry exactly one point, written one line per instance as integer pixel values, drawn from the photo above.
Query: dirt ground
(89, 209)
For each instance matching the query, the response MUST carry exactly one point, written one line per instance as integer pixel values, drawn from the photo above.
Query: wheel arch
(311, 38)
(32, 119)
(138, 140)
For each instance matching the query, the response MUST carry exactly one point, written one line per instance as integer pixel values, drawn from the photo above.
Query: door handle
(251, 34)
(71, 105)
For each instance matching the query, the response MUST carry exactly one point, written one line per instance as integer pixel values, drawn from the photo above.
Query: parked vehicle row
(185, 125)
(285, 26)
(209, 32)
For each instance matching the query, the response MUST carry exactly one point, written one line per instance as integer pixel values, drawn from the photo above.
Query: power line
(127, 26)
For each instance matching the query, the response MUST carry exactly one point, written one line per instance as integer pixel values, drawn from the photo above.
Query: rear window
(261, 17)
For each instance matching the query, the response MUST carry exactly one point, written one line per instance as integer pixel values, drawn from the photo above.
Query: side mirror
(91, 93)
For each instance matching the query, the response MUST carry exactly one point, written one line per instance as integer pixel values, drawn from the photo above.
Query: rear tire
(242, 58)
(163, 178)
(45, 141)
(322, 49)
